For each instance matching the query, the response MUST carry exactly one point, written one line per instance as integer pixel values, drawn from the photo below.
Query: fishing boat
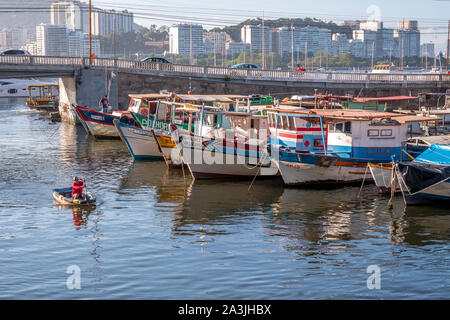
(43, 97)
(142, 143)
(175, 112)
(225, 145)
(426, 179)
(96, 123)
(64, 196)
(413, 147)
(324, 146)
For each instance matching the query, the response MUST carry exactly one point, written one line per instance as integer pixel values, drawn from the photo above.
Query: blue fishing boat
(324, 146)
(427, 178)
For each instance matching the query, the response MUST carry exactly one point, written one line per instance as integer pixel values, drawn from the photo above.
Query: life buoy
(144, 112)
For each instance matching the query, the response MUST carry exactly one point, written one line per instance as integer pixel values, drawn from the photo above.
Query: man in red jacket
(77, 188)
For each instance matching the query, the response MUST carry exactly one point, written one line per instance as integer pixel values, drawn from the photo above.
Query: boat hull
(141, 143)
(98, 124)
(224, 163)
(294, 173)
(439, 192)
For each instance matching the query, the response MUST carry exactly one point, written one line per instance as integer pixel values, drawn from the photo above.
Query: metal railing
(187, 70)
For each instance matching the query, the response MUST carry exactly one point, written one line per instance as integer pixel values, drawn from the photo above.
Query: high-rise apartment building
(186, 39)
(51, 40)
(257, 37)
(110, 21)
(75, 14)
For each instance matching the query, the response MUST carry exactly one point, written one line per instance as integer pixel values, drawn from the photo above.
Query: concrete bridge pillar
(86, 89)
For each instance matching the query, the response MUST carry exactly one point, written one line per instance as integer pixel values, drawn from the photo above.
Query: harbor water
(155, 234)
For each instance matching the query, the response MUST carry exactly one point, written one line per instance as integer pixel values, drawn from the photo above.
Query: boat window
(4, 83)
(331, 127)
(286, 123)
(291, 123)
(11, 91)
(339, 127)
(373, 133)
(348, 127)
(386, 132)
(280, 122)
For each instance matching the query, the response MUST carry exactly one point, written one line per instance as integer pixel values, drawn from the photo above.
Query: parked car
(15, 52)
(246, 66)
(155, 59)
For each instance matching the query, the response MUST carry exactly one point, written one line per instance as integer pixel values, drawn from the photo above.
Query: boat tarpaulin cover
(431, 167)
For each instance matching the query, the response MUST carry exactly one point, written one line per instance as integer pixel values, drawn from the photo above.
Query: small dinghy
(64, 196)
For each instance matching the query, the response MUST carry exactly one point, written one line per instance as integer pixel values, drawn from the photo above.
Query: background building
(75, 14)
(51, 40)
(59, 40)
(253, 35)
(186, 39)
(110, 21)
(427, 50)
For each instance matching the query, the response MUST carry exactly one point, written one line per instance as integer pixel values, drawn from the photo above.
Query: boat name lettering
(100, 118)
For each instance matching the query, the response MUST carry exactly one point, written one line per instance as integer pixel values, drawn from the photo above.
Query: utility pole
(448, 42)
(90, 32)
(263, 44)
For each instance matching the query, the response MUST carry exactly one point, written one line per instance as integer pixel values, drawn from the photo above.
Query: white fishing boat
(225, 145)
(324, 146)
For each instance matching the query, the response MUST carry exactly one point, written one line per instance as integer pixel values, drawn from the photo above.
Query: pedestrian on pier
(104, 103)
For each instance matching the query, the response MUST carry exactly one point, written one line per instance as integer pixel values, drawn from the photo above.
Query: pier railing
(214, 72)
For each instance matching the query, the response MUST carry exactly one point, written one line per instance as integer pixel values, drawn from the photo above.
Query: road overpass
(86, 81)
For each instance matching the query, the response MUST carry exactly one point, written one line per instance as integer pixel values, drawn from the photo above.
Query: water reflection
(420, 226)
(211, 206)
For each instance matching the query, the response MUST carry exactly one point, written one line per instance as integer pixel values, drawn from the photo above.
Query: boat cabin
(345, 133)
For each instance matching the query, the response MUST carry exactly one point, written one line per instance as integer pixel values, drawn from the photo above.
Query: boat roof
(366, 99)
(149, 95)
(385, 99)
(210, 97)
(354, 114)
(433, 139)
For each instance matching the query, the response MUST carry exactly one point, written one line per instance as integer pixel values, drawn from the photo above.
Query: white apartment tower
(186, 39)
(74, 14)
(110, 21)
(253, 35)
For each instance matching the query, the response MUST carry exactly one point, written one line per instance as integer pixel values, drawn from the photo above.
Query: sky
(433, 15)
